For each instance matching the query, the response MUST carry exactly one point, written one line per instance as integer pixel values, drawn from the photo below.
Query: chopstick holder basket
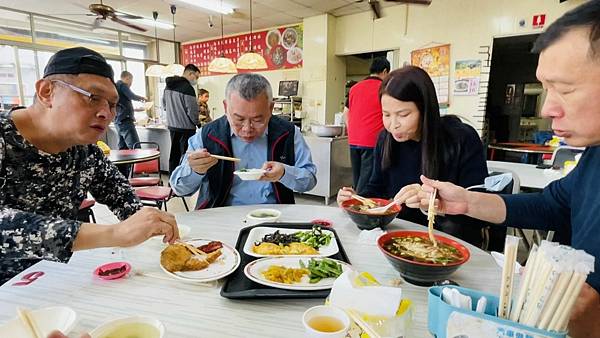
(445, 320)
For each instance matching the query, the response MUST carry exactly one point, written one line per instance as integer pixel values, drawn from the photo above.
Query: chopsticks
(225, 158)
(508, 271)
(29, 322)
(362, 324)
(366, 201)
(190, 247)
(431, 217)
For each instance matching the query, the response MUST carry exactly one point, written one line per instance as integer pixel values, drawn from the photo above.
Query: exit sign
(539, 20)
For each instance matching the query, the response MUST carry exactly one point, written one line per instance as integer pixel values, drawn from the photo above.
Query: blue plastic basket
(445, 320)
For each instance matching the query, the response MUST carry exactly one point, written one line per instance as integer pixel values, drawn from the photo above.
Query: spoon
(381, 209)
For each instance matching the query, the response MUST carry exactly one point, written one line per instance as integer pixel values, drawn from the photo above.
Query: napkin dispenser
(445, 320)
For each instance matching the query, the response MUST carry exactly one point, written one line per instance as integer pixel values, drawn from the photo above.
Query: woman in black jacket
(417, 141)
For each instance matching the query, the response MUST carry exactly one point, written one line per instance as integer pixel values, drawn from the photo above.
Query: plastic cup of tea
(325, 321)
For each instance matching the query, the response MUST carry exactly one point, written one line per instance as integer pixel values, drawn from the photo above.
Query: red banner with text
(281, 48)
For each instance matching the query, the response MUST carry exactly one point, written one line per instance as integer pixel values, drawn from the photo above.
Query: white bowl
(254, 217)
(122, 323)
(325, 311)
(48, 319)
(249, 174)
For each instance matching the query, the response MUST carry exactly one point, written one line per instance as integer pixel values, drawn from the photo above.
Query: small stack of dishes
(293, 259)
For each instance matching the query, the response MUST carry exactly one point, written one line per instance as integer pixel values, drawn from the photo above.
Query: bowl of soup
(365, 220)
(130, 327)
(416, 258)
(258, 216)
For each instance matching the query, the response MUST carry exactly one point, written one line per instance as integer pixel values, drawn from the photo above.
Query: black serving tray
(238, 286)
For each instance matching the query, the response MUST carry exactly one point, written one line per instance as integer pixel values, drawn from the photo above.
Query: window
(138, 87)
(117, 68)
(43, 58)
(138, 46)
(15, 26)
(28, 74)
(64, 34)
(9, 82)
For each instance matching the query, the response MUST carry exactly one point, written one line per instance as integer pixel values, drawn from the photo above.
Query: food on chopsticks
(322, 268)
(282, 274)
(184, 257)
(297, 243)
(431, 217)
(422, 250)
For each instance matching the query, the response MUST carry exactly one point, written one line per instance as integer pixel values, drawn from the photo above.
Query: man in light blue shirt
(247, 131)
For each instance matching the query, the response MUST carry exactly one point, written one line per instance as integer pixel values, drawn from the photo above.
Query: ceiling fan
(103, 12)
(376, 5)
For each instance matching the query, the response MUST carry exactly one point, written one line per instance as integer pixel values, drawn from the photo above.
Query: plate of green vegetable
(318, 238)
(293, 273)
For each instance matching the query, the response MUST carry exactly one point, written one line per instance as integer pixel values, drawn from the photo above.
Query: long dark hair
(413, 84)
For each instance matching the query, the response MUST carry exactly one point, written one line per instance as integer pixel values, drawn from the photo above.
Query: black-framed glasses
(96, 102)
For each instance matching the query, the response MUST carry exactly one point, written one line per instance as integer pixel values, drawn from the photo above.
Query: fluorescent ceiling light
(150, 22)
(211, 5)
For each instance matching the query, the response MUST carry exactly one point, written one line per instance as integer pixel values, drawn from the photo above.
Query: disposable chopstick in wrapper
(29, 322)
(555, 298)
(584, 265)
(551, 268)
(510, 256)
(518, 305)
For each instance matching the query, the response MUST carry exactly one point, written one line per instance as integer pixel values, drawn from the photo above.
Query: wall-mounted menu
(281, 48)
(436, 62)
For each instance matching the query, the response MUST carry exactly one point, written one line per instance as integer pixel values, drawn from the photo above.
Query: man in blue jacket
(124, 121)
(569, 69)
(247, 131)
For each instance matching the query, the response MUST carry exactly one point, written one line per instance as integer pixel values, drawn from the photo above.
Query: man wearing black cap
(49, 162)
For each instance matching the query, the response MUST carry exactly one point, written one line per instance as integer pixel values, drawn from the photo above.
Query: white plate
(254, 269)
(294, 55)
(249, 174)
(292, 34)
(184, 230)
(257, 234)
(223, 266)
(47, 320)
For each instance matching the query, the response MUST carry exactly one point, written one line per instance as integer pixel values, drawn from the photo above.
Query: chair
(157, 196)
(563, 154)
(86, 213)
(493, 235)
(145, 174)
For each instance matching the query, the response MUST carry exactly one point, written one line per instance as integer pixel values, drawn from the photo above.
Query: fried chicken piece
(178, 258)
(174, 257)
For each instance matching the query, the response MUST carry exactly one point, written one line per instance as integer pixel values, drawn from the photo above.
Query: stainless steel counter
(331, 155)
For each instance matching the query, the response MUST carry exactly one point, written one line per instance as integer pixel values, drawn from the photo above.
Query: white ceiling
(192, 22)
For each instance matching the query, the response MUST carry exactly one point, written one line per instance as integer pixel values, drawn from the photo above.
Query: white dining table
(529, 175)
(198, 310)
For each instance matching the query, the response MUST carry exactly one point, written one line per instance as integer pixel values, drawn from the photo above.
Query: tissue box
(445, 320)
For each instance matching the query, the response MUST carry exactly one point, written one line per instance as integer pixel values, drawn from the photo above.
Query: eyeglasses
(240, 123)
(96, 102)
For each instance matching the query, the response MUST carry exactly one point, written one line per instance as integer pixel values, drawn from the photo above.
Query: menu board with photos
(281, 48)
(436, 62)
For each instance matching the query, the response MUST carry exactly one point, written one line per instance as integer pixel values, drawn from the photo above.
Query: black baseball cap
(78, 60)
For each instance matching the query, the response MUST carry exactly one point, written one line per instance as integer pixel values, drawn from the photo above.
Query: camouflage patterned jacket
(40, 194)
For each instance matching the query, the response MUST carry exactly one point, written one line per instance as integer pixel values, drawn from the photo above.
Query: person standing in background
(125, 120)
(364, 121)
(203, 110)
(181, 107)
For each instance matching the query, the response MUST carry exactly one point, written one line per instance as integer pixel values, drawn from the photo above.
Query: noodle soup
(422, 250)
